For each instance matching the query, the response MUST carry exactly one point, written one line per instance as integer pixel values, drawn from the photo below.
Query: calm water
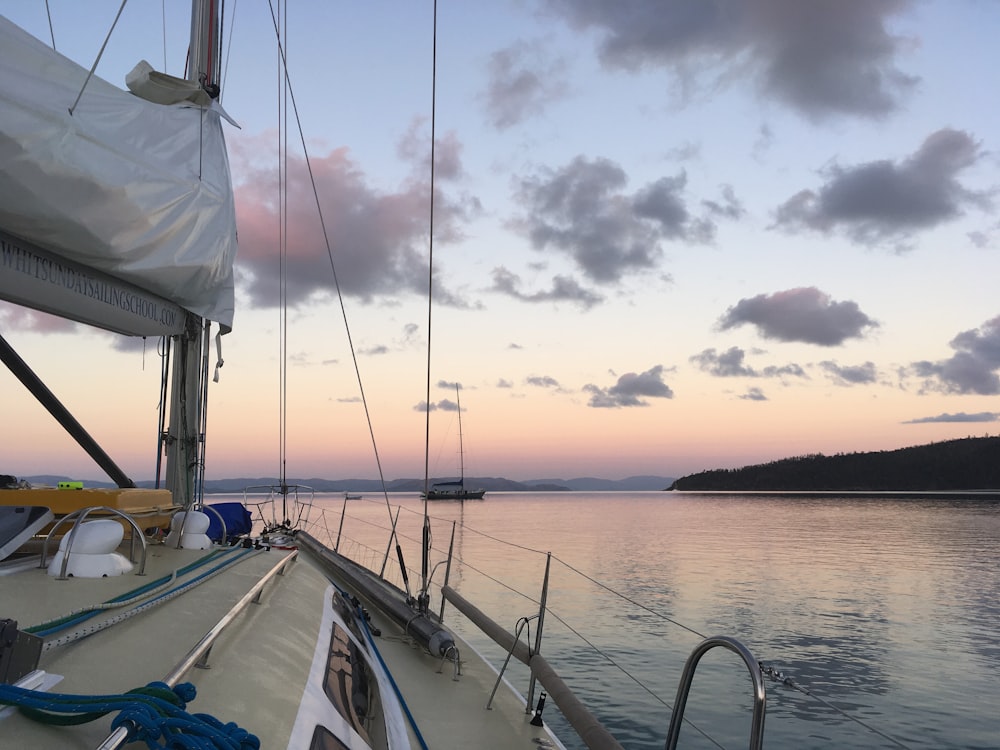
(884, 608)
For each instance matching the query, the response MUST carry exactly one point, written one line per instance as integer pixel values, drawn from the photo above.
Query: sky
(669, 236)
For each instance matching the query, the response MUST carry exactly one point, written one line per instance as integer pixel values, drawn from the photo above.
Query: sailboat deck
(260, 664)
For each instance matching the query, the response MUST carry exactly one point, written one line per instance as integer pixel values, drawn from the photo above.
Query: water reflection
(882, 607)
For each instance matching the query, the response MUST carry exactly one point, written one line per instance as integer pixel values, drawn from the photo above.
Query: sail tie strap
(154, 714)
(218, 352)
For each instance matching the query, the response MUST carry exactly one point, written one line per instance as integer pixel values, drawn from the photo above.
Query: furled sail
(122, 190)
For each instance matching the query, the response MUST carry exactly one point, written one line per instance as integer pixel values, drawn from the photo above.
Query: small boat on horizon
(456, 489)
(452, 491)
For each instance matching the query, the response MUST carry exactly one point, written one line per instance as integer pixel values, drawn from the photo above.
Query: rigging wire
(425, 547)
(224, 66)
(52, 33)
(282, 135)
(283, 65)
(768, 671)
(163, 26)
(100, 54)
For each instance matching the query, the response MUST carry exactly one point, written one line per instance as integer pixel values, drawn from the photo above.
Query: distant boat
(455, 490)
(352, 496)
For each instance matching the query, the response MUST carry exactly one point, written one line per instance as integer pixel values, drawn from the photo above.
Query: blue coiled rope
(154, 714)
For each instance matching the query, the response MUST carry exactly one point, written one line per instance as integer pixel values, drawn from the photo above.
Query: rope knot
(185, 691)
(142, 722)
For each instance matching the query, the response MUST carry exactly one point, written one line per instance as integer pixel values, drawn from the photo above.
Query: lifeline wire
(766, 670)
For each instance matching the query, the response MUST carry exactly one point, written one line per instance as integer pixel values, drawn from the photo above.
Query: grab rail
(78, 517)
(201, 649)
(687, 676)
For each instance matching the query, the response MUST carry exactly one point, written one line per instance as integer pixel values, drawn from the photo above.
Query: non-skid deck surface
(258, 667)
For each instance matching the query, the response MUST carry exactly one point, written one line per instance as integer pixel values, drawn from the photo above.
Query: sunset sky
(670, 235)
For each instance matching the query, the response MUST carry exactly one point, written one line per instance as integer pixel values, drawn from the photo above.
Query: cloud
(805, 314)
(754, 394)
(542, 381)
(447, 404)
(504, 383)
(583, 211)
(377, 236)
(444, 405)
(881, 201)
(975, 366)
(850, 375)
(729, 364)
(148, 345)
(630, 389)
(821, 57)
(983, 416)
(564, 289)
(410, 337)
(415, 147)
(729, 207)
(522, 83)
(24, 319)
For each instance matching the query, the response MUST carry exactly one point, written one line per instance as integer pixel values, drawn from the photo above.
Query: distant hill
(965, 464)
(491, 484)
(593, 484)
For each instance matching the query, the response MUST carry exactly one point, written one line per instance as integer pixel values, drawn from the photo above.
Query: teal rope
(60, 625)
(63, 623)
(154, 714)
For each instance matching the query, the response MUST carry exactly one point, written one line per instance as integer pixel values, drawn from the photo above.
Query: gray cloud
(630, 389)
(446, 404)
(730, 363)
(975, 366)
(754, 394)
(983, 416)
(415, 147)
(820, 57)
(850, 374)
(24, 319)
(522, 83)
(542, 381)
(805, 314)
(442, 405)
(725, 365)
(564, 289)
(729, 207)
(886, 201)
(583, 211)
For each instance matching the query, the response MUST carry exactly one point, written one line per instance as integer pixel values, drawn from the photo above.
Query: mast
(461, 444)
(185, 441)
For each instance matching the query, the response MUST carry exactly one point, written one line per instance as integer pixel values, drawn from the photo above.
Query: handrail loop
(78, 517)
(759, 692)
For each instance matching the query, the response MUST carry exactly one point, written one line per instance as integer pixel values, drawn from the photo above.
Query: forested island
(964, 464)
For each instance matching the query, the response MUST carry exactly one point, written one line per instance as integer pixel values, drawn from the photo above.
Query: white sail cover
(138, 191)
